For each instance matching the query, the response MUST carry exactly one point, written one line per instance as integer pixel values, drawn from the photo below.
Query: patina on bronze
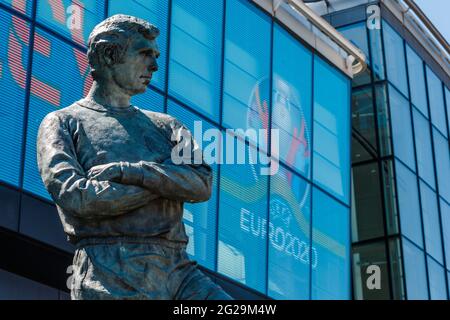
(107, 165)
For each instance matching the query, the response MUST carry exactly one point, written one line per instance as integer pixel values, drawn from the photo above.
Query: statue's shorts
(124, 269)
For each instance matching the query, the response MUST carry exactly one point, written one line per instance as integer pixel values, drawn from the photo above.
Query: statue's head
(122, 49)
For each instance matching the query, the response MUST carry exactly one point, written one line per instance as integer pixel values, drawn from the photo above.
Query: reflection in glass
(376, 50)
(390, 197)
(383, 120)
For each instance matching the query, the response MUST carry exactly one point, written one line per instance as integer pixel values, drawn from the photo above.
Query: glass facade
(228, 65)
(400, 165)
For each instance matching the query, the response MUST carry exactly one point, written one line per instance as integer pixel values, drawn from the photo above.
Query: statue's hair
(113, 35)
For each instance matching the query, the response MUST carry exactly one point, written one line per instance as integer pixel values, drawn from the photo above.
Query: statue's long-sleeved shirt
(147, 202)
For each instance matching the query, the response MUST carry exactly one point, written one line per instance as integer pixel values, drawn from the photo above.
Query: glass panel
(289, 236)
(246, 68)
(155, 12)
(415, 272)
(331, 130)
(408, 201)
(417, 81)
(436, 275)
(423, 148)
(365, 256)
(14, 39)
(390, 197)
(395, 58)
(401, 128)
(195, 54)
(368, 203)
(436, 97)
(445, 218)
(292, 90)
(383, 120)
(397, 284)
(447, 98)
(376, 50)
(149, 100)
(200, 218)
(15, 287)
(243, 213)
(331, 248)
(22, 6)
(51, 91)
(431, 224)
(62, 17)
(357, 34)
(442, 158)
(363, 122)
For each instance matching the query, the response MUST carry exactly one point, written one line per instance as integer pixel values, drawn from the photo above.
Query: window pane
(445, 218)
(357, 34)
(331, 130)
(292, 90)
(436, 274)
(155, 12)
(401, 128)
(436, 96)
(415, 274)
(431, 225)
(200, 218)
(442, 158)
(331, 242)
(54, 14)
(14, 38)
(368, 211)
(408, 203)
(390, 197)
(195, 54)
(423, 148)
(383, 120)
(24, 7)
(447, 98)
(417, 80)
(398, 286)
(289, 240)
(51, 91)
(395, 58)
(243, 223)
(15, 287)
(150, 100)
(363, 122)
(365, 256)
(246, 67)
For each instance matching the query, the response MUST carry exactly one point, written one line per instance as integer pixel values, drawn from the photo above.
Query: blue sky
(438, 12)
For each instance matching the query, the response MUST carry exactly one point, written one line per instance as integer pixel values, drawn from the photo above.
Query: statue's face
(139, 62)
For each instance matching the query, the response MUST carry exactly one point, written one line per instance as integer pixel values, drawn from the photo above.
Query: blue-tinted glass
(292, 90)
(376, 50)
(23, 6)
(199, 218)
(415, 272)
(424, 153)
(442, 158)
(155, 12)
(195, 54)
(447, 98)
(51, 91)
(436, 97)
(15, 287)
(331, 130)
(401, 128)
(246, 68)
(408, 202)
(289, 236)
(445, 218)
(357, 34)
(417, 80)
(74, 19)
(431, 225)
(14, 38)
(330, 248)
(243, 222)
(436, 274)
(395, 58)
(149, 100)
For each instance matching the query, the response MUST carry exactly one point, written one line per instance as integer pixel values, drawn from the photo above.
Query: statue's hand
(106, 172)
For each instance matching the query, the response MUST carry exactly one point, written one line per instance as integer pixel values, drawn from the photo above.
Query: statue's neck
(108, 95)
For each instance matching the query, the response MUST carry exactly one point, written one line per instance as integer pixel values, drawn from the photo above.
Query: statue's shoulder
(162, 120)
(65, 113)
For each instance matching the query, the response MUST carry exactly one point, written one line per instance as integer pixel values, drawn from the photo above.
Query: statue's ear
(110, 54)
